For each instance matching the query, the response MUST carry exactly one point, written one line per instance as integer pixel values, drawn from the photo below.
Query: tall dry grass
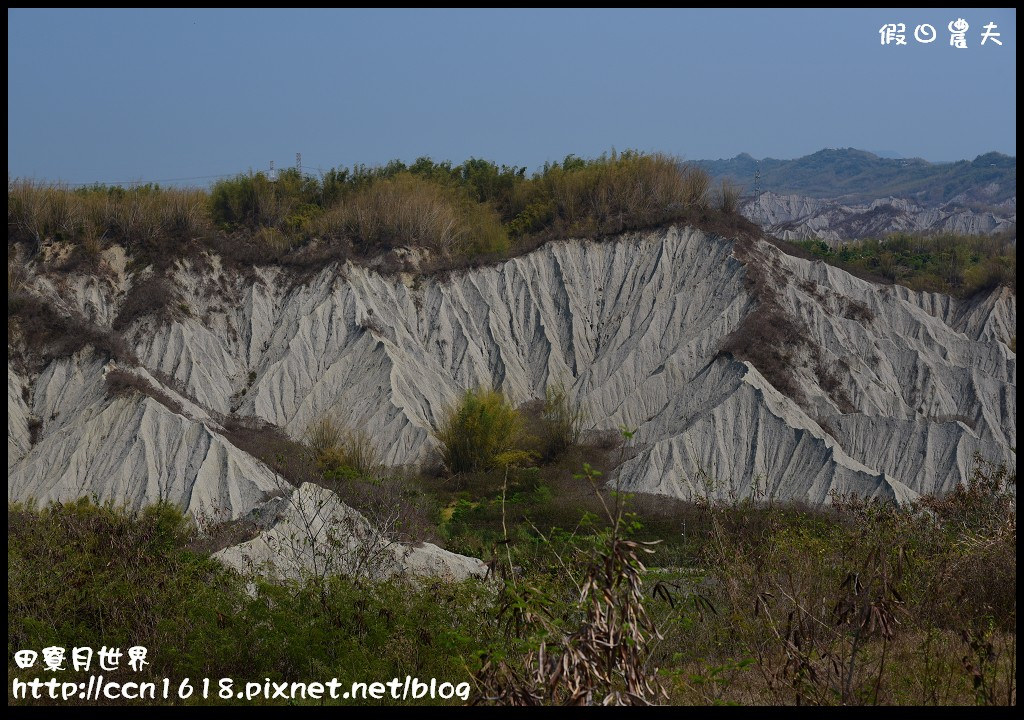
(135, 216)
(728, 197)
(341, 450)
(560, 423)
(407, 210)
(611, 194)
(462, 213)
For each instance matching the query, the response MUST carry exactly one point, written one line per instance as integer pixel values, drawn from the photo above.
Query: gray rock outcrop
(315, 534)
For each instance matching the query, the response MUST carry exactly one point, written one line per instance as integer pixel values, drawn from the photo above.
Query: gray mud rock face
(888, 393)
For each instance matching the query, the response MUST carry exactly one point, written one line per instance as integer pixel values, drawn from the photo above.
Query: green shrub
(477, 431)
(302, 218)
(82, 575)
(93, 574)
(857, 602)
(253, 200)
(959, 265)
(486, 182)
(534, 217)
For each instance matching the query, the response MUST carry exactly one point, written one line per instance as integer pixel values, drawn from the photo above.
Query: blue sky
(119, 95)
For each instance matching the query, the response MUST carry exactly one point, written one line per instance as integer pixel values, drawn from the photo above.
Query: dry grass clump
(17, 274)
(153, 295)
(588, 647)
(555, 424)
(137, 217)
(768, 338)
(729, 197)
(341, 451)
(123, 383)
(467, 214)
(36, 211)
(322, 435)
(408, 211)
(610, 194)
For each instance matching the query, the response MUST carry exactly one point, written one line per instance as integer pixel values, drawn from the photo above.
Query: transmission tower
(757, 180)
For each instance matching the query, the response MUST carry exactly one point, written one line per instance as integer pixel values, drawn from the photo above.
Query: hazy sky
(117, 95)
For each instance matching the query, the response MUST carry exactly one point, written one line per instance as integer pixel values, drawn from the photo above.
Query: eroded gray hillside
(885, 392)
(795, 217)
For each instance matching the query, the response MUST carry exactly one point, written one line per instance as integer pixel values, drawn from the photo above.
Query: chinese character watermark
(137, 658)
(81, 658)
(989, 35)
(958, 33)
(893, 32)
(110, 658)
(925, 33)
(25, 658)
(896, 33)
(53, 657)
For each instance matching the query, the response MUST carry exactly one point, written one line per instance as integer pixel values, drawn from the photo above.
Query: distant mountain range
(840, 195)
(858, 176)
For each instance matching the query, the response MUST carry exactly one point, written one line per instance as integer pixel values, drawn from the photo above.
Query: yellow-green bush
(478, 431)
(354, 455)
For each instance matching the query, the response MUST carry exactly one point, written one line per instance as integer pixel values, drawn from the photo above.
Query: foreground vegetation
(594, 596)
(960, 265)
